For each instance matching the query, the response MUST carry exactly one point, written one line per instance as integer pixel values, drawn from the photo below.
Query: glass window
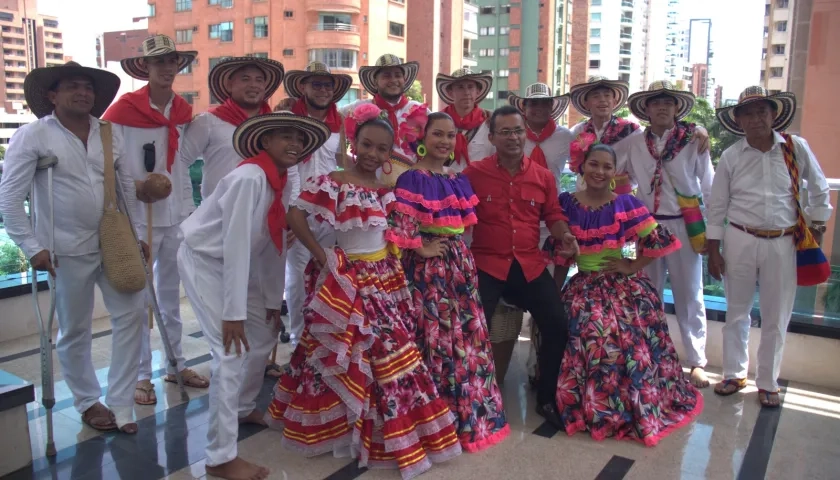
(335, 57)
(351, 96)
(183, 5)
(396, 29)
(260, 27)
(222, 31)
(595, 33)
(595, 17)
(595, 48)
(183, 36)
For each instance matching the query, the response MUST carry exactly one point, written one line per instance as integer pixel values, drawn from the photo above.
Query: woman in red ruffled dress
(357, 384)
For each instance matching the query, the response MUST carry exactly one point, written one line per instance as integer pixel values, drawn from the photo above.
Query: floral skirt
(356, 384)
(620, 375)
(453, 339)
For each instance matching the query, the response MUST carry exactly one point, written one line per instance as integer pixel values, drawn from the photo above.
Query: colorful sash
(695, 226)
(812, 268)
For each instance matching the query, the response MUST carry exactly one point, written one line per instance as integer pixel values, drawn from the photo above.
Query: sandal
(144, 393)
(190, 378)
(273, 371)
(100, 418)
(764, 398)
(737, 385)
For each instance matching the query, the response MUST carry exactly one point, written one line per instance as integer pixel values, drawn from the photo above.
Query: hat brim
(785, 110)
(637, 102)
(37, 84)
(246, 137)
(293, 83)
(561, 103)
(367, 76)
(443, 82)
(578, 93)
(135, 67)
(220, 74)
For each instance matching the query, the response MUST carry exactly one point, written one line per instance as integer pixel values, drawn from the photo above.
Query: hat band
(756, 95)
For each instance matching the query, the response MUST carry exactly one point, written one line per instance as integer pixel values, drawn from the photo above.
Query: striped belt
(756, 232)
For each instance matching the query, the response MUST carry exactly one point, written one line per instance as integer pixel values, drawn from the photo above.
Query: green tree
(12, 259)
(703, 114)
(623, 112)
(415, 92)
(2, 152)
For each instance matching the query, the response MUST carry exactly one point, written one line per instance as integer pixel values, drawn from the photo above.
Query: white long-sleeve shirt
(230, 227)
(753, 188)
(179, 204)
(322, 162)
(556, 150)
(691, 173)
(210, 138)
(78, 186)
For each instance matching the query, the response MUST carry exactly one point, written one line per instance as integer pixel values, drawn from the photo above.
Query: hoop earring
(421, 150)
(612, 185)
(451, 156)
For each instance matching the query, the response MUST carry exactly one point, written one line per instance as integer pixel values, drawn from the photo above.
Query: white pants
(771, 262)
(75, 279)
(236, 380)
(686, 273)
(298, 257)
(164, 244)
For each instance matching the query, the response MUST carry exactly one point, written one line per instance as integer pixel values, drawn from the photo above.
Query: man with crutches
(68, 101)
(151, 122)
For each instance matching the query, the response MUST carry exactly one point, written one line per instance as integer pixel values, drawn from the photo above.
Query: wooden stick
(151, 261)
(342, 144)
(274, 354)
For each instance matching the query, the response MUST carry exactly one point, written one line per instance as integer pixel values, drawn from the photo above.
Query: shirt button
(514, 248)
(511, 200)
(511, 184)
(514, 231)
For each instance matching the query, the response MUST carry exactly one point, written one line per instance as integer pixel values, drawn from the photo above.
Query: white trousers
(772, 263)
(164, 244)
(685, 269)
(236, 380)
(74, 286)
(296, 261)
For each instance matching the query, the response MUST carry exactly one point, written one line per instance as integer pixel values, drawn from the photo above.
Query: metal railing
(333, 27)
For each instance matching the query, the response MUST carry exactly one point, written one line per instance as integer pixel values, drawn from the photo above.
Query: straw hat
(274, 73)
(638, 101)
(293, 83)
(246, 138)
(37, 84)
(443, 82)
(367, 75)
(785, 108)
(578, 93)
(155, 46)
(541, 91)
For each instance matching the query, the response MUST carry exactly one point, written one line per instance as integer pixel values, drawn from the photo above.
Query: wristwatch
(818, 227)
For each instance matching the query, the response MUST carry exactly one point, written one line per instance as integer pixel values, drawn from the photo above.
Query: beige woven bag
(120, 251)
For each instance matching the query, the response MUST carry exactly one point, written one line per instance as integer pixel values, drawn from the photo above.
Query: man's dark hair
(503, 111)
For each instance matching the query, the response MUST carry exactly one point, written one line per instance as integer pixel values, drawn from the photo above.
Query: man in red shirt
(515, 195)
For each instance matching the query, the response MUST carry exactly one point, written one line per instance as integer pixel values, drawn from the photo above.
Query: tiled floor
(733, 438)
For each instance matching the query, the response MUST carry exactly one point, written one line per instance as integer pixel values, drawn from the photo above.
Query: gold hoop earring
(421, 150)
(612, 185)
(451, 155)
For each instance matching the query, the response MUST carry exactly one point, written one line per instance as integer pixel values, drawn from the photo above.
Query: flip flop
(190, 377)
(764, 398)
(738, 383)
(96, 417)
(269, 369)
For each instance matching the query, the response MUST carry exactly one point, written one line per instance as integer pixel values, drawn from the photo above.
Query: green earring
(451, 155)
(421, 150)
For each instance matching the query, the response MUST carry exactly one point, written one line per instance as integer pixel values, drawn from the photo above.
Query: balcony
(625, 4)
(625, 52)
(340, 6)
(333, 35)
(626, 36)
(627, 20)
(623, 67)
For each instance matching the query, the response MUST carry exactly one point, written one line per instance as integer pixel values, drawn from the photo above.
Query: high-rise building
(699, 80)
(579, 69)
(677, 69)
(30, 40)
(344, 34)
(524, 43)
(115, 46)
(470, 33)
(718, 97)
(775, 54)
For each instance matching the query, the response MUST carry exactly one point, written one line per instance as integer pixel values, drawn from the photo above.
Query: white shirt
(179, 204)
(322, 162)
(348, 109)
(556, 150)
(621, 147)
(689, 172)
(78, 186)
(210, 138)
(230, 227)
(753, 188)
(479, 147)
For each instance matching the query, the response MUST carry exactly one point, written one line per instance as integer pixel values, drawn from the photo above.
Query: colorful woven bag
(812, 268)
(695, 225)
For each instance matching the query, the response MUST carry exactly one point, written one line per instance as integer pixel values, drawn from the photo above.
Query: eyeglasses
(322, 85)
(511, 133)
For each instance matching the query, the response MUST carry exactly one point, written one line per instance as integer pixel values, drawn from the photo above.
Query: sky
(737, 32)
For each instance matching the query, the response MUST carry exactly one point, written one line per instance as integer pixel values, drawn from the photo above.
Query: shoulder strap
(108, 162)
(789, 153)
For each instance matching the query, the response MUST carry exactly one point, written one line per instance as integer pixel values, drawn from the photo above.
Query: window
(288, 14)
(189, 96)
(505, 9)
(503, 94)
(781, 26)
(351, 96)
(490, 95)
(335, 21)
(777, 72)
(779, 49)
(186, 70)
(183, 5)
(595, 33)
(781, 3)
(151, 12)
(288, 52)
(222, 31)
(488, 31)
(595, 17)
(594, 64)
(396, 29)
(487, 52)
(8, 17)
(763, 53)
(504, 73)
(763, 75)
(221, 3)
(335, 57)
(183, 36)
(767, 10)
(259, 55)
(487, 10)
(260, 27)
(504, 30)
(503, 52)
(595, 48)
(596, 3)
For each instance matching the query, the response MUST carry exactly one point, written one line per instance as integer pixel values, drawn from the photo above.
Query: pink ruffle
(427, 219)
(437, 205)
(611, 229)
(488, 442)
(662, 252)
(403, 242)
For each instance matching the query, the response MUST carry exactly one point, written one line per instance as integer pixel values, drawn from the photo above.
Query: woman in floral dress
(433, 207)
(620, 375)
(356, 383)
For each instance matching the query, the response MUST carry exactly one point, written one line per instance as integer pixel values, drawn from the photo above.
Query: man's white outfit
(231, 270)
(691, 174)
(78, 190)
(167, 215)
(752, 189)
(210, 138)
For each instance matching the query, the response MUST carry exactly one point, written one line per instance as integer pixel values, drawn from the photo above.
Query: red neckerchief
(391, 109)
(134, 110)
(333, 119)
(680, 137)
(233, 114)
(277, 181)
(471, 121)
(537, 154)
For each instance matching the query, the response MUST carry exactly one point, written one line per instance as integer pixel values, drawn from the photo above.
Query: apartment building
(114, 46)
(677, 68)
(775, 54)
(619, 41)
(344, 34)
(30, 40)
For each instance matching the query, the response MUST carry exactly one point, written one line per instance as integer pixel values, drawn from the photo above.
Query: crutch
(164, 335)
(46, 325)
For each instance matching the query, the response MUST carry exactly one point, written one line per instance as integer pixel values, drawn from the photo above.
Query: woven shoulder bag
(121, 258)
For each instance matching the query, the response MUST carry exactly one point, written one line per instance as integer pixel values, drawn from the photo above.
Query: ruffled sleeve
(403, 230)
(653, 239)
(319, 197)
(345, 206)
(658, 242)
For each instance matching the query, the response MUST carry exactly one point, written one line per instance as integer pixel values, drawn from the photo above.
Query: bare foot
(129, 428)
(238, 469)
(255, 417)
(699, 378)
